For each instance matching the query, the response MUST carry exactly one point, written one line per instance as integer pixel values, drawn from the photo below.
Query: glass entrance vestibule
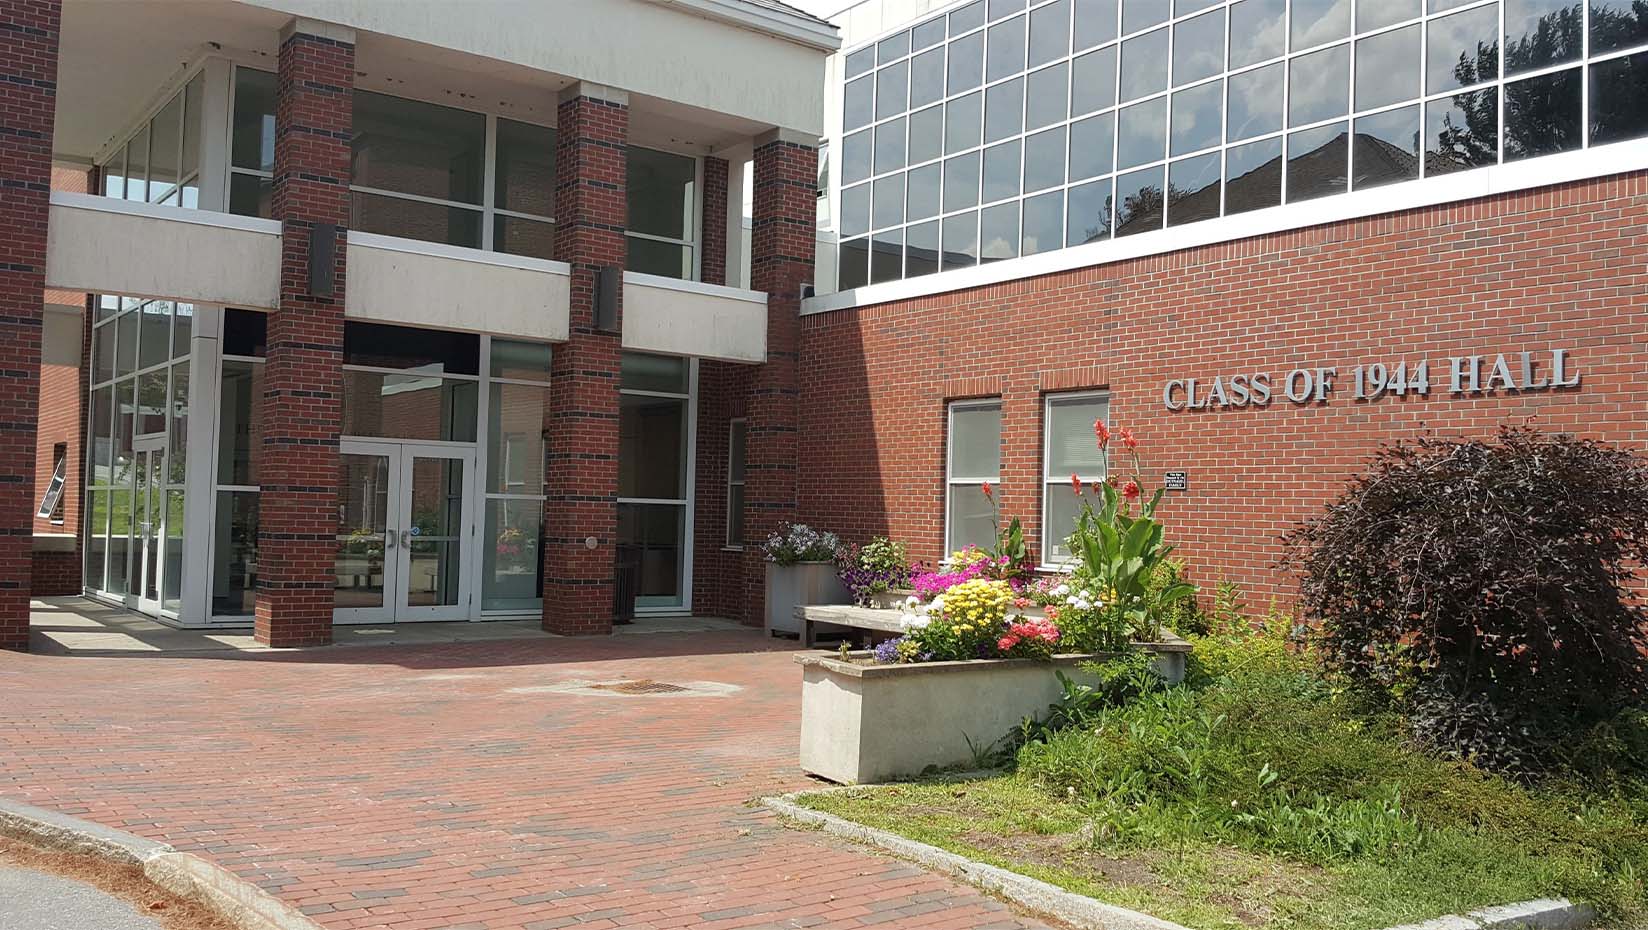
(441, 494)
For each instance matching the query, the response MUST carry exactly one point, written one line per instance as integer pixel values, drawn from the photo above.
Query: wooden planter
(791, 586)
(862, 722)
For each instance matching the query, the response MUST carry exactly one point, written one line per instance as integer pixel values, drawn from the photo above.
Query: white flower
(1082, 604)
(913, 622)
(936, 605)
(912, 602)
(1061, 590)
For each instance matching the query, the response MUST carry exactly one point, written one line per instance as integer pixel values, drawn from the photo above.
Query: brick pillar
(581, 424)
(29, 32)
(713, 267)
(302, 411)
(781, 261)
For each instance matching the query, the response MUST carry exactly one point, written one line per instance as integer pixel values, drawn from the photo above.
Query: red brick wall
(55, 574)
(302, 401)
(718, 571)
(581, 420)
(1559, 267)
(28, 70)
(713, 260)
(61, 415)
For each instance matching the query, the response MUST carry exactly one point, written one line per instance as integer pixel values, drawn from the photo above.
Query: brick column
(302, 412)
(581, 424)
(713, 264)
(29, 31)
(781, 261)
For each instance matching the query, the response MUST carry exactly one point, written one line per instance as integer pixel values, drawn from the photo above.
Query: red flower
(1131, 490)
(1098, 487)
(1103, 432)
(989, 491)
(1075, 484)
(1127, 438)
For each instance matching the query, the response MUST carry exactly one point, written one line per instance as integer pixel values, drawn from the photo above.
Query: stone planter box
(862, 722)
(790, 586)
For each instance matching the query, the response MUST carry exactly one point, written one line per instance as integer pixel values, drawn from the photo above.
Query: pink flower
(1006, 643)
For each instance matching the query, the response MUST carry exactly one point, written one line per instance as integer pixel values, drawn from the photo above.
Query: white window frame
(951, 482)
(733, 543)
(484, 494)
(1050, 481)
(117, 154)
(689, 502)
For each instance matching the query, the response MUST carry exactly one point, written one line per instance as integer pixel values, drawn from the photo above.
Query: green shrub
(1488, 588)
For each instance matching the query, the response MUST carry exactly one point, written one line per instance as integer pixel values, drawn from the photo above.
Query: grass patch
(1257, 796)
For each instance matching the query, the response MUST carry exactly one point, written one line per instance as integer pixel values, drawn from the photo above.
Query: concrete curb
(1086, 913)
(236, 900)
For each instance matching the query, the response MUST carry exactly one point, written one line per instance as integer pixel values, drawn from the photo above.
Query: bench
(875, 619)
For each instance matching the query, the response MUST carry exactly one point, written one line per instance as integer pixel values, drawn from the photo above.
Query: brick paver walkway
(423, 787)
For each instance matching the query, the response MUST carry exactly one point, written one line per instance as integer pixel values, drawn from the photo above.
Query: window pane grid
(1471, 123)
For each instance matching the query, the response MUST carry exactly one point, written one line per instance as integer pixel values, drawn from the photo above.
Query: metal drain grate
(641, 686)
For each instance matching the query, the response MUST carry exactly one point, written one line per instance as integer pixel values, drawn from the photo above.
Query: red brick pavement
(416, 788)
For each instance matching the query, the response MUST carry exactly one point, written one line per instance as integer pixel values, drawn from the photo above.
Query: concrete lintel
(792, 136)
(595, 91)
(319, 28)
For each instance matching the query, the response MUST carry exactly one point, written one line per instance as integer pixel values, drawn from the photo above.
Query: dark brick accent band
(29, 34)
(302, 409)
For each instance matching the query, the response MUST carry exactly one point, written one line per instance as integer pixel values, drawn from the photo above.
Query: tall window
(1003, 129)
(1071, 449)
(736, 434)
(654, 423)
(512, 567)
(160, 162)
(239, 449)
(662, 204)
(973, 460)
(418, 170)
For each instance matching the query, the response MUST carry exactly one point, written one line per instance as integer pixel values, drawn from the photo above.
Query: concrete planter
(862, 722)
(791, 586)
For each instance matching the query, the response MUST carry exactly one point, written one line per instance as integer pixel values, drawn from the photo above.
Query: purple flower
(886, 652)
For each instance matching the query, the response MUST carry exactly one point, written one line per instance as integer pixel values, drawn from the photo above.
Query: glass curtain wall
(1005, 128)
(654, 427)
(663, 192)
(512, 573)
(139, 384)
(160, 161)
(239, 448)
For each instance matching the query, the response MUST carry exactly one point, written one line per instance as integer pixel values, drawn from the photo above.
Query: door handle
(406, 539)
(389, 540)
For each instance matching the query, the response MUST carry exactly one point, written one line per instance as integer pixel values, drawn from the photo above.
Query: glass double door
(405, 533)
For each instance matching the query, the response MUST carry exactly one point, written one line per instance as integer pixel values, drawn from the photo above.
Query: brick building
(1267, 237)
(334, 313)
(381, 318)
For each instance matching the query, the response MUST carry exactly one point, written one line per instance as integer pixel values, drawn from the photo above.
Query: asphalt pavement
(31, 900)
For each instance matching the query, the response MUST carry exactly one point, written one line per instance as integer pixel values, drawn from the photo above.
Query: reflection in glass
(893, 47)
(253, 144)
(513, 235)
(892, 90)
(1316, 162)
(1385, 148)
(515, 439)
(963, 122)
(972, 518)
(1141, 14)
(97, 539)
(1044, 160)
(1539, 33)
(966, 65)
(1004, 52)
(1318, 85)
(960, 240)
(889, 146)
(1372, 14)
(1387, 68)
(1139, 202)
(886, 256)
(967, 17)
(664, 374)
(234, 553)
(1043, 223)
(250, 195)
(435, 562)
(1045, 96)
(1004, 110)
(651, 447)
(1253, 176)
(363, 523)
(661, 188)
(1141, 133)
(522, 361)
(1089, 217)
(1196, 122)
(524, 168)
(858, 103)
(1462, 49)
(1095, 22)
(921, 249)
(853, 264)
(411, 147)
(1461, 132)
(927, 34)
(1619, 99)
(961, 181)
(1318, 21)
(856, 150)
(1617, 24)
(926, 134)
(1255, 102)
(1049, 32)
(888, 207)
(650, 545)
(921, 197)
(1542, 115)
(512, 572)
(1257, 31)
(408, 406)
(1093, 84)
(1092, 146)
(1001, 172)
(1199, 47)
(927, 77)
(415, 219)
(855, 210)
(1193, 189)
(1144, 65)
(999, 232)
(239, 432)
